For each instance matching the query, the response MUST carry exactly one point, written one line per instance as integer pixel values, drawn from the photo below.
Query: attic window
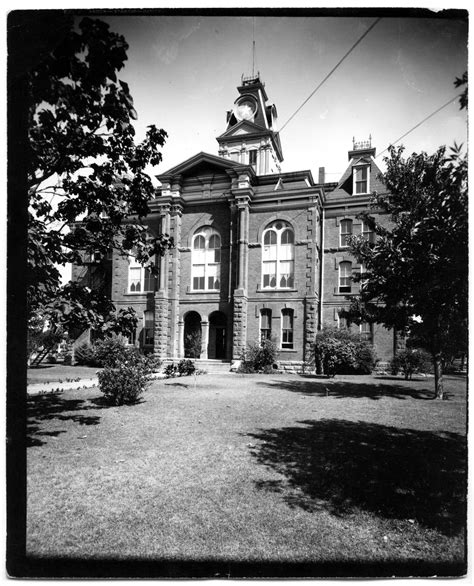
(360, 177)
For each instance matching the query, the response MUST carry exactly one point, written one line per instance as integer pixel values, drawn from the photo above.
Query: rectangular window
(140, 279)
(265, 324)
(253, 158)
(148, 328)
(134, 279)
(346, 232)
(361, 180)
(269, 274)
(198, 277)
(287, 328)
(345, 277)
(367, 233)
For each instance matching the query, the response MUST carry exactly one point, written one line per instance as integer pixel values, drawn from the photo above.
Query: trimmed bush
(186, 367)
(124, 384)
(339, 351)
(410, 361)
(259, 357)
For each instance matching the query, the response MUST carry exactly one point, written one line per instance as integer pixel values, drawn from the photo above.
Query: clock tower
(251, 137)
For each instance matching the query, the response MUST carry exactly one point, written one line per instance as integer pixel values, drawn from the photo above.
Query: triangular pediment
(200, 164)
(361, 161)
(243, 127)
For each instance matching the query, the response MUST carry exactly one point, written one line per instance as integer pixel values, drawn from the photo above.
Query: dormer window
(361, 179)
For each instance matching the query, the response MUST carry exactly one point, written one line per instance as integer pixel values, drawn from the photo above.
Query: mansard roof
(345, 184)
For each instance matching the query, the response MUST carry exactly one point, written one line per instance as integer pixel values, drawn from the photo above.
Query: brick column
(240, 294)
(174, 278)
(161, 325)
(239, 337)
(204, 338)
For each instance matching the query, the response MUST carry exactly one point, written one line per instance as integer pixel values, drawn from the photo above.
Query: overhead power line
(332, 71)
(419, 124)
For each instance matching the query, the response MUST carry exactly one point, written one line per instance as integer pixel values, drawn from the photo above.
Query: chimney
(321, 175)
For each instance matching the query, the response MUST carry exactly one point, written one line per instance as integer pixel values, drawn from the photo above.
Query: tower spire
(253, 49)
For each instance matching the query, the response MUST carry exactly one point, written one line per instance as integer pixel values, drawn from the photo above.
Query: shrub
(123, 384)
(170, 370)
(339, 351)
(111, 351)
(186, 367)
(410, 361)
(259, 357)
(84, 355)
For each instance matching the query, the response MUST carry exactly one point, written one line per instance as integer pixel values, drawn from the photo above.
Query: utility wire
(332, 71)
(419, 124)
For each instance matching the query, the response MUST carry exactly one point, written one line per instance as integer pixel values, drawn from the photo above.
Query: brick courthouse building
(258, 253)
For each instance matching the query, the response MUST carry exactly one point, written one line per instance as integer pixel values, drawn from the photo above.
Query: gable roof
(243, 127)
(203, 162)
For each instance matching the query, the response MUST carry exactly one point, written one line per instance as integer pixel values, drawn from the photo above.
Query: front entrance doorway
(217, 335)
(192, 335)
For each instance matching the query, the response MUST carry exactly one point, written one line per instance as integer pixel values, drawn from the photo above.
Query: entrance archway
(217, 335)
(192, 335)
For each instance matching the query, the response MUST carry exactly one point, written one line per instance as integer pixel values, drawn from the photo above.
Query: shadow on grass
(345, 389)
(41, 408)
(346, 467)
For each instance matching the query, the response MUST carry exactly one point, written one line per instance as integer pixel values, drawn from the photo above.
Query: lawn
(253, 468)
(49, 373)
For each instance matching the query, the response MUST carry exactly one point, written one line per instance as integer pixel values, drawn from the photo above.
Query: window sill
(204, 292)
(289, 350)
(282, 290)
(138, 293)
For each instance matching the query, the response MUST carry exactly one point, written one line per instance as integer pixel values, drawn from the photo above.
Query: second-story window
(206, 269)
(140, 279)
(278, 256)
(367, 232)
(345, 232)
(345, 277)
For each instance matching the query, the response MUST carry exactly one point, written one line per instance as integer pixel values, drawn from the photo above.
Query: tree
(88, 187)
(415, 275)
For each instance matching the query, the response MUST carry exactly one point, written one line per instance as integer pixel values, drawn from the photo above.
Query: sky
(183, 72)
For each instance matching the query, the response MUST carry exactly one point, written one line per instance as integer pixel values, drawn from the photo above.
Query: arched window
(278, 256)
(346, 232)
(206, 269)
(140, 279)
(345, 277)
(287, 328)
(265, 324)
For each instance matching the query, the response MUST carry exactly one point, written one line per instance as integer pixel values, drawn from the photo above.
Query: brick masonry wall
(335, 301)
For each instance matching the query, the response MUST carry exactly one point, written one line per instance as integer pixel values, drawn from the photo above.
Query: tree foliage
(415, 275)
(87, 182)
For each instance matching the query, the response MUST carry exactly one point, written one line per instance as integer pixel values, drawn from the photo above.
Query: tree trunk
(438, 376)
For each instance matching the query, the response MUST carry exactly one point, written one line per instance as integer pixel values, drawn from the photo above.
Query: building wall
(333, 301)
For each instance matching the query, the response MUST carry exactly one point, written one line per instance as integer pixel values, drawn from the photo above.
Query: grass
(254, 468)
(48, 373)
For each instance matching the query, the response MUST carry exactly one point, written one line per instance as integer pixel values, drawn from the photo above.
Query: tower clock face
(245, 109)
